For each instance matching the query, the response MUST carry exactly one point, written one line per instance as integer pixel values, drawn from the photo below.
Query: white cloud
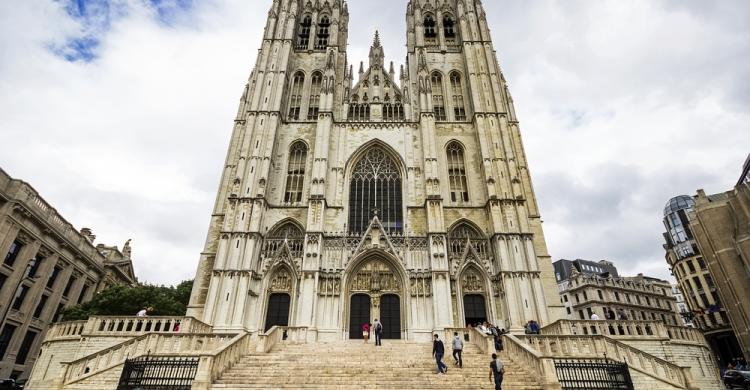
(622, 105)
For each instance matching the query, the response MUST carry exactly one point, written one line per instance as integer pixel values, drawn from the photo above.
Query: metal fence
(593, 374)
(158, 373)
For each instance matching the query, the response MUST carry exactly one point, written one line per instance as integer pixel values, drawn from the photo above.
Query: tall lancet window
(295, 175)
(457, 173)
(438, 102)
(314, 106)
(459, 111)
(430, 31)
(303, 39)
(323, 33)
(449, 30)
(375, 187)
(295, 100)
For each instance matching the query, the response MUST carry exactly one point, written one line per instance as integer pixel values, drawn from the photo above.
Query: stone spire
(377, 57)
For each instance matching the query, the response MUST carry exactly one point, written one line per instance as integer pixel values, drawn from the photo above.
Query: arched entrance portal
(359, 313)
(278, 310)
(474, 309)
(375, 291)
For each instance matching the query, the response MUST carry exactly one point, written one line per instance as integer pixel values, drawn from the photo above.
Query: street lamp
(26, 275)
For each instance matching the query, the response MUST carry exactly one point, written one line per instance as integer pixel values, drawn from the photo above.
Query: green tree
(127, 301)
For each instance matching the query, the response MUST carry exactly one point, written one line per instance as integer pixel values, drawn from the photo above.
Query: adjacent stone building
(688, 265)
(721, 224)
(47, 265)
(594, 288)
(682, 306)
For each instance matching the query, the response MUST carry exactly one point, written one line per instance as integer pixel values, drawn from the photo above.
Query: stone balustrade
(540, 366)
(683, 333)
(166, 344)
(211, 366)
(598, 346)
(278, 334)
(623, 329)
(125, 326)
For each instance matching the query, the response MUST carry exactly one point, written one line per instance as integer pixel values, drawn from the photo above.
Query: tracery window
(438, 102)
(430, 32)
(463, 233)
(287, 232)
(303, 39)
(459, 111)
(295, 177)
(359, 112)
(323, 33)
(457, 173)
(295, 100)
(449, 30)
(375, 186)
(314, 106)
(393, 112)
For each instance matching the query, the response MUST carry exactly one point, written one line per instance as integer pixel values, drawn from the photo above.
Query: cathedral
(360, 192)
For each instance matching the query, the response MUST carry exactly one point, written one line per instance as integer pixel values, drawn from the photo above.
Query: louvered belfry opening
(375, 187)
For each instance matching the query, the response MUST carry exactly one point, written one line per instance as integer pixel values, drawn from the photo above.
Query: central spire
(377, 57)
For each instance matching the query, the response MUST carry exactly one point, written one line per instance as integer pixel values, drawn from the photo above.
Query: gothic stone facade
(402, 195)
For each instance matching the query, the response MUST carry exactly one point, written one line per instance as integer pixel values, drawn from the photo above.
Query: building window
(59, 312)
(375, 185)
(691, 266)
(449, 30)
(6, 336)
(565, 298)
(314, 105)
(393, 112)
(40, 306)
(457, 173)
(82, 295)
(459, 111)
(438, 102)
(23, 351)
(295, 100)
(568, 309)
(601, 296)
(12, 254)
(20, 296)
(3, 278)
(303, 40)
(323, 33)
(359, 112)
(53, 276)
(581, 315)
(585, 296)
(617, 296)
(68, 286)
(295, 177)
(577, 299)
(288, 233)
(462, 233)
(430, 32)
(37, 262)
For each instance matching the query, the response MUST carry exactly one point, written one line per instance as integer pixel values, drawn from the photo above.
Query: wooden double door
(360, 312)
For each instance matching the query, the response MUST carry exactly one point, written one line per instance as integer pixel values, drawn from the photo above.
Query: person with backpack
(438, 350)
(497, 370)
(458, 347)
(378, 328)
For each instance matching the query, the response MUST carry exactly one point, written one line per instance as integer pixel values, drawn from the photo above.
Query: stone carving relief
(329, 285)
(375, 276)
(472, 281)
(281, 281)
(420, 286)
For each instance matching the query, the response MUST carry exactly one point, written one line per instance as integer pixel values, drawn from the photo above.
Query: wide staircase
(355, 365)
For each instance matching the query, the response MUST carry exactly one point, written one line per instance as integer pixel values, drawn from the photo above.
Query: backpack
(501, 371)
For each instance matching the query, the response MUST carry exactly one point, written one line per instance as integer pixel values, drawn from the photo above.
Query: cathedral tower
(399, 195)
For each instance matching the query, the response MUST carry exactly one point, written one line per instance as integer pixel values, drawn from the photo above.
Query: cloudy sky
(119, 111)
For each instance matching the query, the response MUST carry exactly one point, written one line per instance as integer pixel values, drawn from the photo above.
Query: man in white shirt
(143, 312)
(595, 317)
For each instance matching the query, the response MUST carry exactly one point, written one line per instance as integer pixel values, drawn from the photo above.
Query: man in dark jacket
(438, 350)
(378, 327)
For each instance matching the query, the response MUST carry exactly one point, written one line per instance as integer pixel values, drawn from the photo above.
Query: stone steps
(397, 365)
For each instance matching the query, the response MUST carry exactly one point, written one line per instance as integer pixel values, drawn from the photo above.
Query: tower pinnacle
(377, 56)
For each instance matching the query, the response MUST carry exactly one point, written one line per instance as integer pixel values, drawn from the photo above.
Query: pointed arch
(430, 29)
(316, 84)
(295, 177)
(463, 232)
(287, 232)
(323, 32)
(438, 96)
(457, 91)
(459, 188)
(449, 29)
(303, 37)
(375, 183)
(474, 289)
(295, 97)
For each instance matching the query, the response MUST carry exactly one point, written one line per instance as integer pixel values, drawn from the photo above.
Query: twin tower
(398, 194)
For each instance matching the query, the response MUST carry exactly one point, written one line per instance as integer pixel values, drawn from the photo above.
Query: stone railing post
(202, 379)
(689, 382)
(90, 326)
(549, 375)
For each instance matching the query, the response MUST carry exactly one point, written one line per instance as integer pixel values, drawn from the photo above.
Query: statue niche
(376, 277)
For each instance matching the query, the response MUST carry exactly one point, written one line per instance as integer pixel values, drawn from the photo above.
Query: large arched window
(314, 106)
(323, 33)
(457, 173)
(303, 39)
(288, 232)
(295, 99)
(430, 31)
(462, 233)
(449, 30)
(375, 187)
(295, 175)
(438, 101)
(459, 111)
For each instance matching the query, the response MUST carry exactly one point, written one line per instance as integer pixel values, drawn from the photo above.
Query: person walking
(497, 370)
(458, 347)
(366, 331)
(438, 350)
(378, 329)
